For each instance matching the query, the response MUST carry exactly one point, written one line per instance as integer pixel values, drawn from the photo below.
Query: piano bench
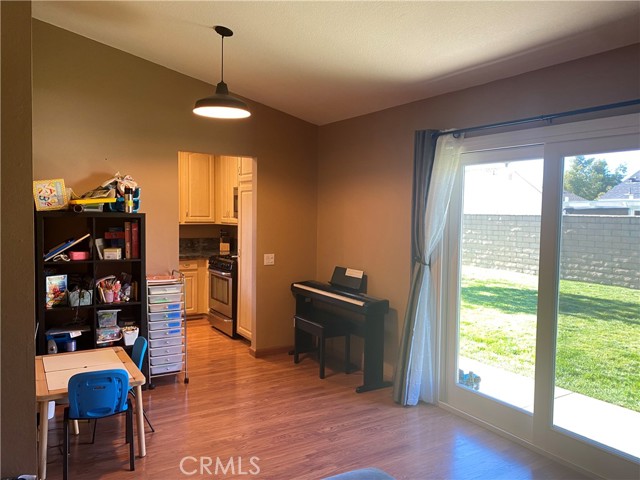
(321, 329)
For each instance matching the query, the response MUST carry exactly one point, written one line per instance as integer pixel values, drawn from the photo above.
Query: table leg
(42, 443)
(142, 447)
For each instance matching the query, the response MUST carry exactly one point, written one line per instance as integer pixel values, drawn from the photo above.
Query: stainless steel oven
(222, 293)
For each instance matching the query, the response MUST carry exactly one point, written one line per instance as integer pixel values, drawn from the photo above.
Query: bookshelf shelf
(58, 227)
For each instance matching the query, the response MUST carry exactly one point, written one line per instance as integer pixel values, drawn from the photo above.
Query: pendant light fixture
(221, 104)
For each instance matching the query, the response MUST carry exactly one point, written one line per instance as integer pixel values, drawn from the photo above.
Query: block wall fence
(595, 248)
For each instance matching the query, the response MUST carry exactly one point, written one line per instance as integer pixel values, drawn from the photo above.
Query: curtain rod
(539, 118)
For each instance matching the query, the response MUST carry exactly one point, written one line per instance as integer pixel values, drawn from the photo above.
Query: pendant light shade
(221, 104)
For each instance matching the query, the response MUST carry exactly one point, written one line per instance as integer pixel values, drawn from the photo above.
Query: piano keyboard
(325, 293)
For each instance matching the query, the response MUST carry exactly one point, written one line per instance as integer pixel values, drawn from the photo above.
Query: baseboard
(518, 440)
(265, 352)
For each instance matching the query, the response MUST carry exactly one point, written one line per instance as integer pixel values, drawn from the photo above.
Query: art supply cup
(108, 296)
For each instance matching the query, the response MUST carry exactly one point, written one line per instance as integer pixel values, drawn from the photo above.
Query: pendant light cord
(222, 61)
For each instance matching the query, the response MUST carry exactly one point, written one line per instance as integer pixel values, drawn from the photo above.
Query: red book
(113, 235)
(127, 240)
(135, 240)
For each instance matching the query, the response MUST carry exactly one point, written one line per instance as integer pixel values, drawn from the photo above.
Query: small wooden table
(52, 377)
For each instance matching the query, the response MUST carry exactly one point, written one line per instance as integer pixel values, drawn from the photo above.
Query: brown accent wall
(18, 406)
(365, 164)
(98, 110)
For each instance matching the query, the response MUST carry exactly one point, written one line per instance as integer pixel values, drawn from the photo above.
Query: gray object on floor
(362, 474)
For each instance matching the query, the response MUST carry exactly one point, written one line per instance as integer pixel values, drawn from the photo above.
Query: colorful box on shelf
(112, 253)
(108, 318)
(118, 205)
(77, 255)
(109, 334)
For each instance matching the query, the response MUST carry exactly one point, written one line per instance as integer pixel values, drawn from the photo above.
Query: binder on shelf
(127, 240)
(58, 249)
(135, 240)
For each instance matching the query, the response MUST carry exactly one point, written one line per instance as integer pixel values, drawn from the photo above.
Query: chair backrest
(98, 394)
(139, 349)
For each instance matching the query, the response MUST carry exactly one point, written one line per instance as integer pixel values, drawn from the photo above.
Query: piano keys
(316, 300)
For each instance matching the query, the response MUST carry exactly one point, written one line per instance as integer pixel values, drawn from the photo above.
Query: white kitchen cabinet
(246, 254)
(227, 189)
(196, 282)
(197, 187)
(189, 268)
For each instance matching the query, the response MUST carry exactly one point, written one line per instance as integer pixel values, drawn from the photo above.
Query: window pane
(597, 374)
(499, 280)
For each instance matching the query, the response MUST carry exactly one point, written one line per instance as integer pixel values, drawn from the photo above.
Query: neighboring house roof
(571, 197)
(629, 189)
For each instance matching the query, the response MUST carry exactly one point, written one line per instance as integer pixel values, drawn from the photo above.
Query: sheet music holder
(349, 279)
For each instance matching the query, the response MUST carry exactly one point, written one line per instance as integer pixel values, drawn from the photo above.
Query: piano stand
(321, 328)
(355, 313)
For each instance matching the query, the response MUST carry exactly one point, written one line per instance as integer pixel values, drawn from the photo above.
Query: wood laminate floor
(241, 417)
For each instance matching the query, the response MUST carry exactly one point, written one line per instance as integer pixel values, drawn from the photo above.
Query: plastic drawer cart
(167, 326)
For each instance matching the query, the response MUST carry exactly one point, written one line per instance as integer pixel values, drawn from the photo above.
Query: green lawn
(598, 345)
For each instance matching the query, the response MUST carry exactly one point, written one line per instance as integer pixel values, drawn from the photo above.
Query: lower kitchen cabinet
(196, 285)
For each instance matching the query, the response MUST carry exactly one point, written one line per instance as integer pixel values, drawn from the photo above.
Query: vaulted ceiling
(325, 61)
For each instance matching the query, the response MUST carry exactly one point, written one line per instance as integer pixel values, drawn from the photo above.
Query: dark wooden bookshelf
(53, 228)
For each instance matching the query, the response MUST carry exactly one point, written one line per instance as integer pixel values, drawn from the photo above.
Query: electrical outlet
(269, 258)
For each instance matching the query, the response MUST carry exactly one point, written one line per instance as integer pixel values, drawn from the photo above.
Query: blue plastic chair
(137, 355)
(94, 395)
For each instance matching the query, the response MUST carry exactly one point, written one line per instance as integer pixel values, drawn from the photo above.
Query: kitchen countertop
(197, 248)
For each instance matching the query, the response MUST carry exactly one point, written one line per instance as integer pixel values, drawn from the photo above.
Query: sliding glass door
(541, 291)
(597, 357)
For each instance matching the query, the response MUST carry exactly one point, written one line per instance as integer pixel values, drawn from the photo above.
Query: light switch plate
(269, 258)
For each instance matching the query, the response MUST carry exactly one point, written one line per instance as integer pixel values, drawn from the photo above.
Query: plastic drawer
(166, 298)
(155, 317)
(157, 334)
(164, 289)
(165, 360)
(166, 324)
(160, 351)
(163, 307)
(169, 368)
(164, 342)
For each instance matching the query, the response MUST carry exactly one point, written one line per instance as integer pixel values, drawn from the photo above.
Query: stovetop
(226, 262)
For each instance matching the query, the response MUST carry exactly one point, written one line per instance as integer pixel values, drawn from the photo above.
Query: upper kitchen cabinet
(196, 181)
(227, 189)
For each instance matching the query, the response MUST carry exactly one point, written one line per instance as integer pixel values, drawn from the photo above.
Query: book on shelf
(127, 240)
(135, 240)
(60, 248)
(99, 244)
(115, 237)
(56, 291)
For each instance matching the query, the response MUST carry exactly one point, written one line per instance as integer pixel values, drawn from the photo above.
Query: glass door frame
(535, 430)
(475, 403)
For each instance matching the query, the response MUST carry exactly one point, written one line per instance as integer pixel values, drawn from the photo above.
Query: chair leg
(148, 422)
(65, 445)
(321, 342)
(347, 353)
(95, 427)
(296, 346)
(132, 465)
(132, 393)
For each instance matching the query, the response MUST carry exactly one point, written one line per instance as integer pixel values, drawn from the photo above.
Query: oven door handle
(219, 273)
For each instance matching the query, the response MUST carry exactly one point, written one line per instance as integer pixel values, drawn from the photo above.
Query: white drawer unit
(163, 316)
(167, 326)
(162, 351)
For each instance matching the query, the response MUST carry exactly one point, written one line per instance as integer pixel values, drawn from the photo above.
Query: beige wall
(98, 110)
(365, 164)
(17, 263)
